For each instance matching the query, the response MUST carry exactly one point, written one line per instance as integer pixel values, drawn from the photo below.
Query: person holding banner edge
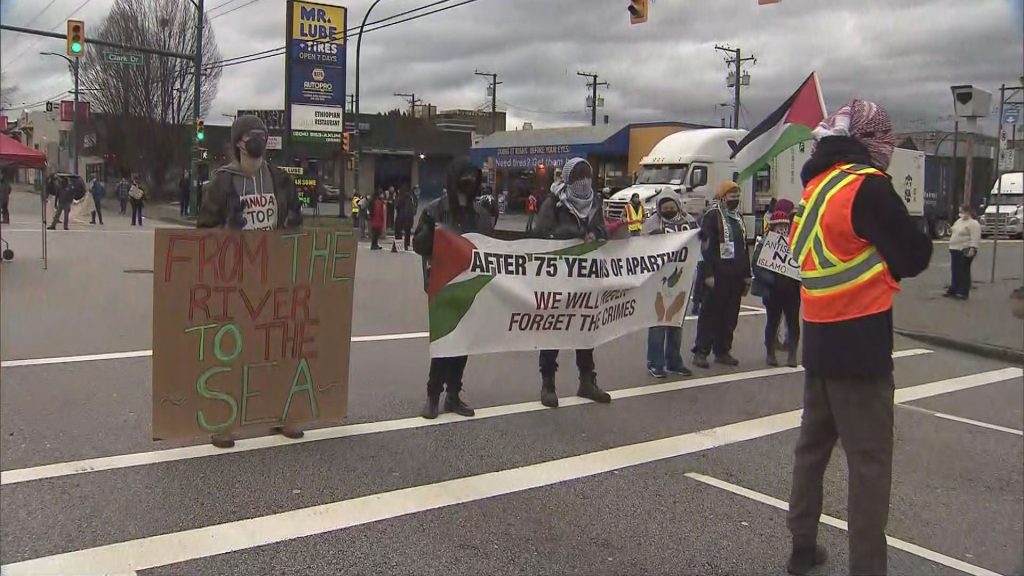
(572, 211)
(459, 211)
(250, 194)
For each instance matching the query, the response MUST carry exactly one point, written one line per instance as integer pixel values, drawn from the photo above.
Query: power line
(53, 29)
(219, 6)
(24, 106)
(250, 2)
(38, 14)
(350, 32)
(552, 112)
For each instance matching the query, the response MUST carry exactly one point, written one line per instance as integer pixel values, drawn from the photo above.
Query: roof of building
(570, 136)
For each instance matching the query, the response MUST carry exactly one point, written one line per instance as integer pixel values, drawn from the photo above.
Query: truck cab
(1004, 213)
(690, 163)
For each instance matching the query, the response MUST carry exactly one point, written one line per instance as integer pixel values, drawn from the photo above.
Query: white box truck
(692, 163)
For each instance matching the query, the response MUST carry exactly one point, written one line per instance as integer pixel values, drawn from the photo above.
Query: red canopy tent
(14, 152)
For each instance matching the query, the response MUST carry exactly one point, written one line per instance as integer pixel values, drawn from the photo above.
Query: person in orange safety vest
(634, 215)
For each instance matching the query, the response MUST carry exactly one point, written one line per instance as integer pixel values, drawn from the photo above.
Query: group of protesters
(388, 210)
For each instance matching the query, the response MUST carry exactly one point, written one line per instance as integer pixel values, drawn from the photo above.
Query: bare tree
(147, 110)
(7, 92)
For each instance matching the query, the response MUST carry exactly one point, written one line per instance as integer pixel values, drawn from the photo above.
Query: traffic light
(76, 38)
(200, 130)
(637, 11)
(346, 142)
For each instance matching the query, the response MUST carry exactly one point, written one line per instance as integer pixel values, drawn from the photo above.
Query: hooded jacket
(555, 220)
(863, 346)
(222, 204)
(447, 212)
(656, 224)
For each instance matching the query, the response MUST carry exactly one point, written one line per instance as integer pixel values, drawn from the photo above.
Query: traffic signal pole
(74, 118)
(196, 104)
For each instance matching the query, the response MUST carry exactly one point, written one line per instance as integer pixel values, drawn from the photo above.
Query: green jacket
(222, 206)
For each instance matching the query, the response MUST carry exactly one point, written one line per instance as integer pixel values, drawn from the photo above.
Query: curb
(984, 350)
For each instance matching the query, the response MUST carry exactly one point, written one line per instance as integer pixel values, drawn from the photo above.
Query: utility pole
(737, 77)
(413, 101)
(494, 97)
(592, 83)
(196, 104)
(74, 118)
(1001, 225)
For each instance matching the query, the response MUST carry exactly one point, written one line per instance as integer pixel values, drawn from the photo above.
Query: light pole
(358, 132)
(74, 110)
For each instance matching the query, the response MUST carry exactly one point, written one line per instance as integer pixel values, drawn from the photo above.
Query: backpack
(135, 193)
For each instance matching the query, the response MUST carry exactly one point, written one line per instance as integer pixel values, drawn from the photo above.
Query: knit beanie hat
(778, 217)
(243, 125)
(783, 205)
(725, 187)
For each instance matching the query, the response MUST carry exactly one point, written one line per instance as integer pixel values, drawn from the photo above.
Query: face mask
(732, 204)
(255, 146)
(669, 214)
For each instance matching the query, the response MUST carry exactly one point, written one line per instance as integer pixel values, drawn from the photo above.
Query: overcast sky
(902, 53)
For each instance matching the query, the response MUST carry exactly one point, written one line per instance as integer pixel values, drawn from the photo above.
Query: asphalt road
(677, 477)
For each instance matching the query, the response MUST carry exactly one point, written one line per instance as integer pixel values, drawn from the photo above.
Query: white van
(1004, 213)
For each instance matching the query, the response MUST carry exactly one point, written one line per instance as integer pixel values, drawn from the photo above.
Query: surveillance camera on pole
(970, 103)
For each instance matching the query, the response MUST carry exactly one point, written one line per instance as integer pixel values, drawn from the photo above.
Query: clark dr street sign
(119, 58)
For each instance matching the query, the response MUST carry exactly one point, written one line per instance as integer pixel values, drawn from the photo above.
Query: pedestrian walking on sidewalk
(250, 193)
(634, 215)
(573, 212)
(137, 197)
(122, 193)
(459, 212)
(5, 200)
(405, 216)
(378, 219)
(726, 277)
(531, 211)
(64, 191)
(184, 194)
(854, 241)
(964, 241)
(779, 293)
(664, 343)
(98, 191)
(358, 214)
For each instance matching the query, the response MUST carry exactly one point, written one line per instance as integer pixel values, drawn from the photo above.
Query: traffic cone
(394, 247)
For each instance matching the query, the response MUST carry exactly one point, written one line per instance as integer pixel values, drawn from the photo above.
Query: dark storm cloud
(903, 54)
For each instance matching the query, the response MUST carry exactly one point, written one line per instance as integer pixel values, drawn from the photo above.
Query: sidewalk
(981, 325)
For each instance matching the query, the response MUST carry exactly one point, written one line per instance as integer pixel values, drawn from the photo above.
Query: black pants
(183, 201)
(782, 302)
(137, 212)
(859, 412)
(446, 371)
(124, 205)
(529, 221)
(375, 237)
(5, 212)
(549, 361)
(719, 312)
(61, 209)
(960, 267)
(406, 233)
(98, 211)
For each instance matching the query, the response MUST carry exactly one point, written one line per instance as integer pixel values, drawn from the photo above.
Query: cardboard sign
(250, 329)
(776, 257)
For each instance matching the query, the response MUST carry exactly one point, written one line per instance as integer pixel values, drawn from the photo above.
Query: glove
(709, 282)
(970, 252)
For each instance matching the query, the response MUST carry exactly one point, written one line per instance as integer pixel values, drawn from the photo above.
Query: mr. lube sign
(316, 71)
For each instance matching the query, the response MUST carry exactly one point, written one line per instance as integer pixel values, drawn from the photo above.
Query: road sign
(1012, 112)
(1006, 158)
(204, 154)
(123, 59)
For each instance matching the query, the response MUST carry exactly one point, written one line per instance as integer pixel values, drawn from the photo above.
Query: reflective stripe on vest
(829, 273)
(634, 218)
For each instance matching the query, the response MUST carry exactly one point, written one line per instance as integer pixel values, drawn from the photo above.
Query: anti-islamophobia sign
(487, 295)
(316, 66)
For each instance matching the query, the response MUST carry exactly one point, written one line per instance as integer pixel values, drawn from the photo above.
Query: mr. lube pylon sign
(315, 72)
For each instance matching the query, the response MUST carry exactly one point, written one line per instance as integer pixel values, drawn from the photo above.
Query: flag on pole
(791, 124)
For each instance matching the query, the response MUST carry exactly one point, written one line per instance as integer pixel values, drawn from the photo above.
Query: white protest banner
(776, 257)
(489, 295)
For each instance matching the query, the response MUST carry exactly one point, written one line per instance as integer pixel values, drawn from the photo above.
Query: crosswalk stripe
(148, 353)
(263, 442)
(842, 525)
(175, 547)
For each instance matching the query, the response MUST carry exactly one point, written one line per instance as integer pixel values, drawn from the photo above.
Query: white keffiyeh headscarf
(578, 195)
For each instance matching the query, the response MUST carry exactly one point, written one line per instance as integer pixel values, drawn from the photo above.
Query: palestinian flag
(791, 124)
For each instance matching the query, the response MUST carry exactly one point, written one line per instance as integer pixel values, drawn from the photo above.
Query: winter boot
(590, 390)
(726, 359)
(431, 408)
(452, 403)
(222, 440)
(803, 560)
(701, 360)
(770, 354)
(791, 359)
(288, 431)
(548, 396)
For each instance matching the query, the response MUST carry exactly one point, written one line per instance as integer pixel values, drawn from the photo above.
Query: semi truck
(692, 163)
(1004, 213)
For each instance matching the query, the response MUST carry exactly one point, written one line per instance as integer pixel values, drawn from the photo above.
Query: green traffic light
(76, 47)
(200, 136)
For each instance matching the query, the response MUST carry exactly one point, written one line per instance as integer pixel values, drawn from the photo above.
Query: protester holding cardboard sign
(779, 291)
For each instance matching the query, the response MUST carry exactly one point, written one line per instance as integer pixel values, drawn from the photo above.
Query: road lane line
(176, 547)
(962, 420)
(914, 549)
(204, 450)
(147, 353)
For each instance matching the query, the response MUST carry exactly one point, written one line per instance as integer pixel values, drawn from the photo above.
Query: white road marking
(842, 525)
(204, 450)
(962, 420)
(175, 547)
(146, 353)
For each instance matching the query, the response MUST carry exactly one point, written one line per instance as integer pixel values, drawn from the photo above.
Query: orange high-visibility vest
(634, 218)
(843, 276)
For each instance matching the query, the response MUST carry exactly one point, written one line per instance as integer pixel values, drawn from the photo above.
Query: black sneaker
(590, 390)
(726, 359)
(655, 372)
(681, 370)
(454, 404)
(431, 408)
(701, 361)
(548, 396)
(803, 560)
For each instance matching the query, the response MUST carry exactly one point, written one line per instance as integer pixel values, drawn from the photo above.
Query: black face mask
(732, 204)
(255, 146)
(667, 215)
